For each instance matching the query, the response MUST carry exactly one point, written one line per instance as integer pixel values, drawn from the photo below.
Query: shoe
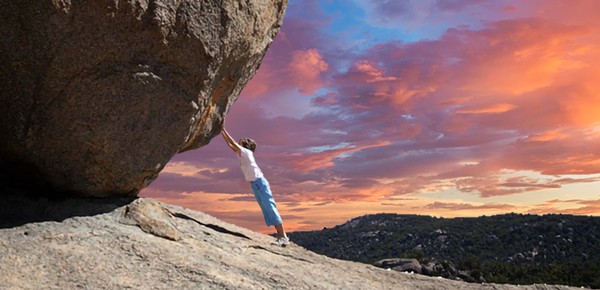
(282, 241)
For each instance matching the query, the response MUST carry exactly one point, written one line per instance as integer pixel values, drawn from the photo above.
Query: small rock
(400, 264)
(151, 217)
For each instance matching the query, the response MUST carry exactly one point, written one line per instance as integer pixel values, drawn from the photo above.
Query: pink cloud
(293, 56)
(372, 72)
(305, 69)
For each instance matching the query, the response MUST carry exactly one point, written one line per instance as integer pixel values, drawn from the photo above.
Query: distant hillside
(511, 248)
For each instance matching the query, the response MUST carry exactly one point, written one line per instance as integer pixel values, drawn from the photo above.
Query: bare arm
(230, 142)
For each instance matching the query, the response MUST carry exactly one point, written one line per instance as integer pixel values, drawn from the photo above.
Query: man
(260, 186)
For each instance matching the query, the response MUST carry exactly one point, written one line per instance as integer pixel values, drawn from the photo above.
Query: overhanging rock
(98, 95)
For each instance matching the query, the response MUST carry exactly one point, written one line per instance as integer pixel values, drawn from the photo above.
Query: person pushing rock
(244, 149)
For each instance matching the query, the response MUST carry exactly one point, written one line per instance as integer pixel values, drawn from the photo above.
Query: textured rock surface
(97, 96)
(151, 217)
(104, 252)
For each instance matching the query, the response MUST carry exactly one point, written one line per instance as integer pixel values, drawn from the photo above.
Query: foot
(282, 241)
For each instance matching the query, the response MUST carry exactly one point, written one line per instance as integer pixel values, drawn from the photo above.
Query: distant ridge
(509, 248)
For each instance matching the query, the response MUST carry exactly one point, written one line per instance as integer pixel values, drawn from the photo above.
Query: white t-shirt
(249, 166)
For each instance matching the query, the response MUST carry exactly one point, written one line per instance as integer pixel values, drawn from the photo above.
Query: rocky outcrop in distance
(146, 244)
(97, 96)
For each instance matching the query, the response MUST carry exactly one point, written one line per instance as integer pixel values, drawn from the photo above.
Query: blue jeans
(262, 193)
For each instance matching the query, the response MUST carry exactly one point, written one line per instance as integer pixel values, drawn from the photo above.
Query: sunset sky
(443, 108)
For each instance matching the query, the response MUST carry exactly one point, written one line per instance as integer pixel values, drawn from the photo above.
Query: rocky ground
(151, 245)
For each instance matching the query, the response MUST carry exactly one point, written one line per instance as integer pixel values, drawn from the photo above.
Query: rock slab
(97, 96)
(101, 252)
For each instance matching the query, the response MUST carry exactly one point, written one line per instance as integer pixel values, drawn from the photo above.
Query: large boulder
(96, 96)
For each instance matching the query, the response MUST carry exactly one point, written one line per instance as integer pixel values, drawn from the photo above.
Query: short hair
(248, 144)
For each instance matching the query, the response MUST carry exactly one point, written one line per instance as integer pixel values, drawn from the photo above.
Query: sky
(448, 108)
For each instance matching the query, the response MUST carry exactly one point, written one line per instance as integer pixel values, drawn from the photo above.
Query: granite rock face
(170, 247)
(97, 96)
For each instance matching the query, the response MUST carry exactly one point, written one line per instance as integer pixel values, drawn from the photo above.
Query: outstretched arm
(230, 142)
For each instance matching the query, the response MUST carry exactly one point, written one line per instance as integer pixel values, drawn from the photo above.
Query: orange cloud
(491, 109)
(547, 136)
(585, 207)
(513, 57)
(469, 207)
(490, 186)
(454, 101)
(590, 207)
(582, 103)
